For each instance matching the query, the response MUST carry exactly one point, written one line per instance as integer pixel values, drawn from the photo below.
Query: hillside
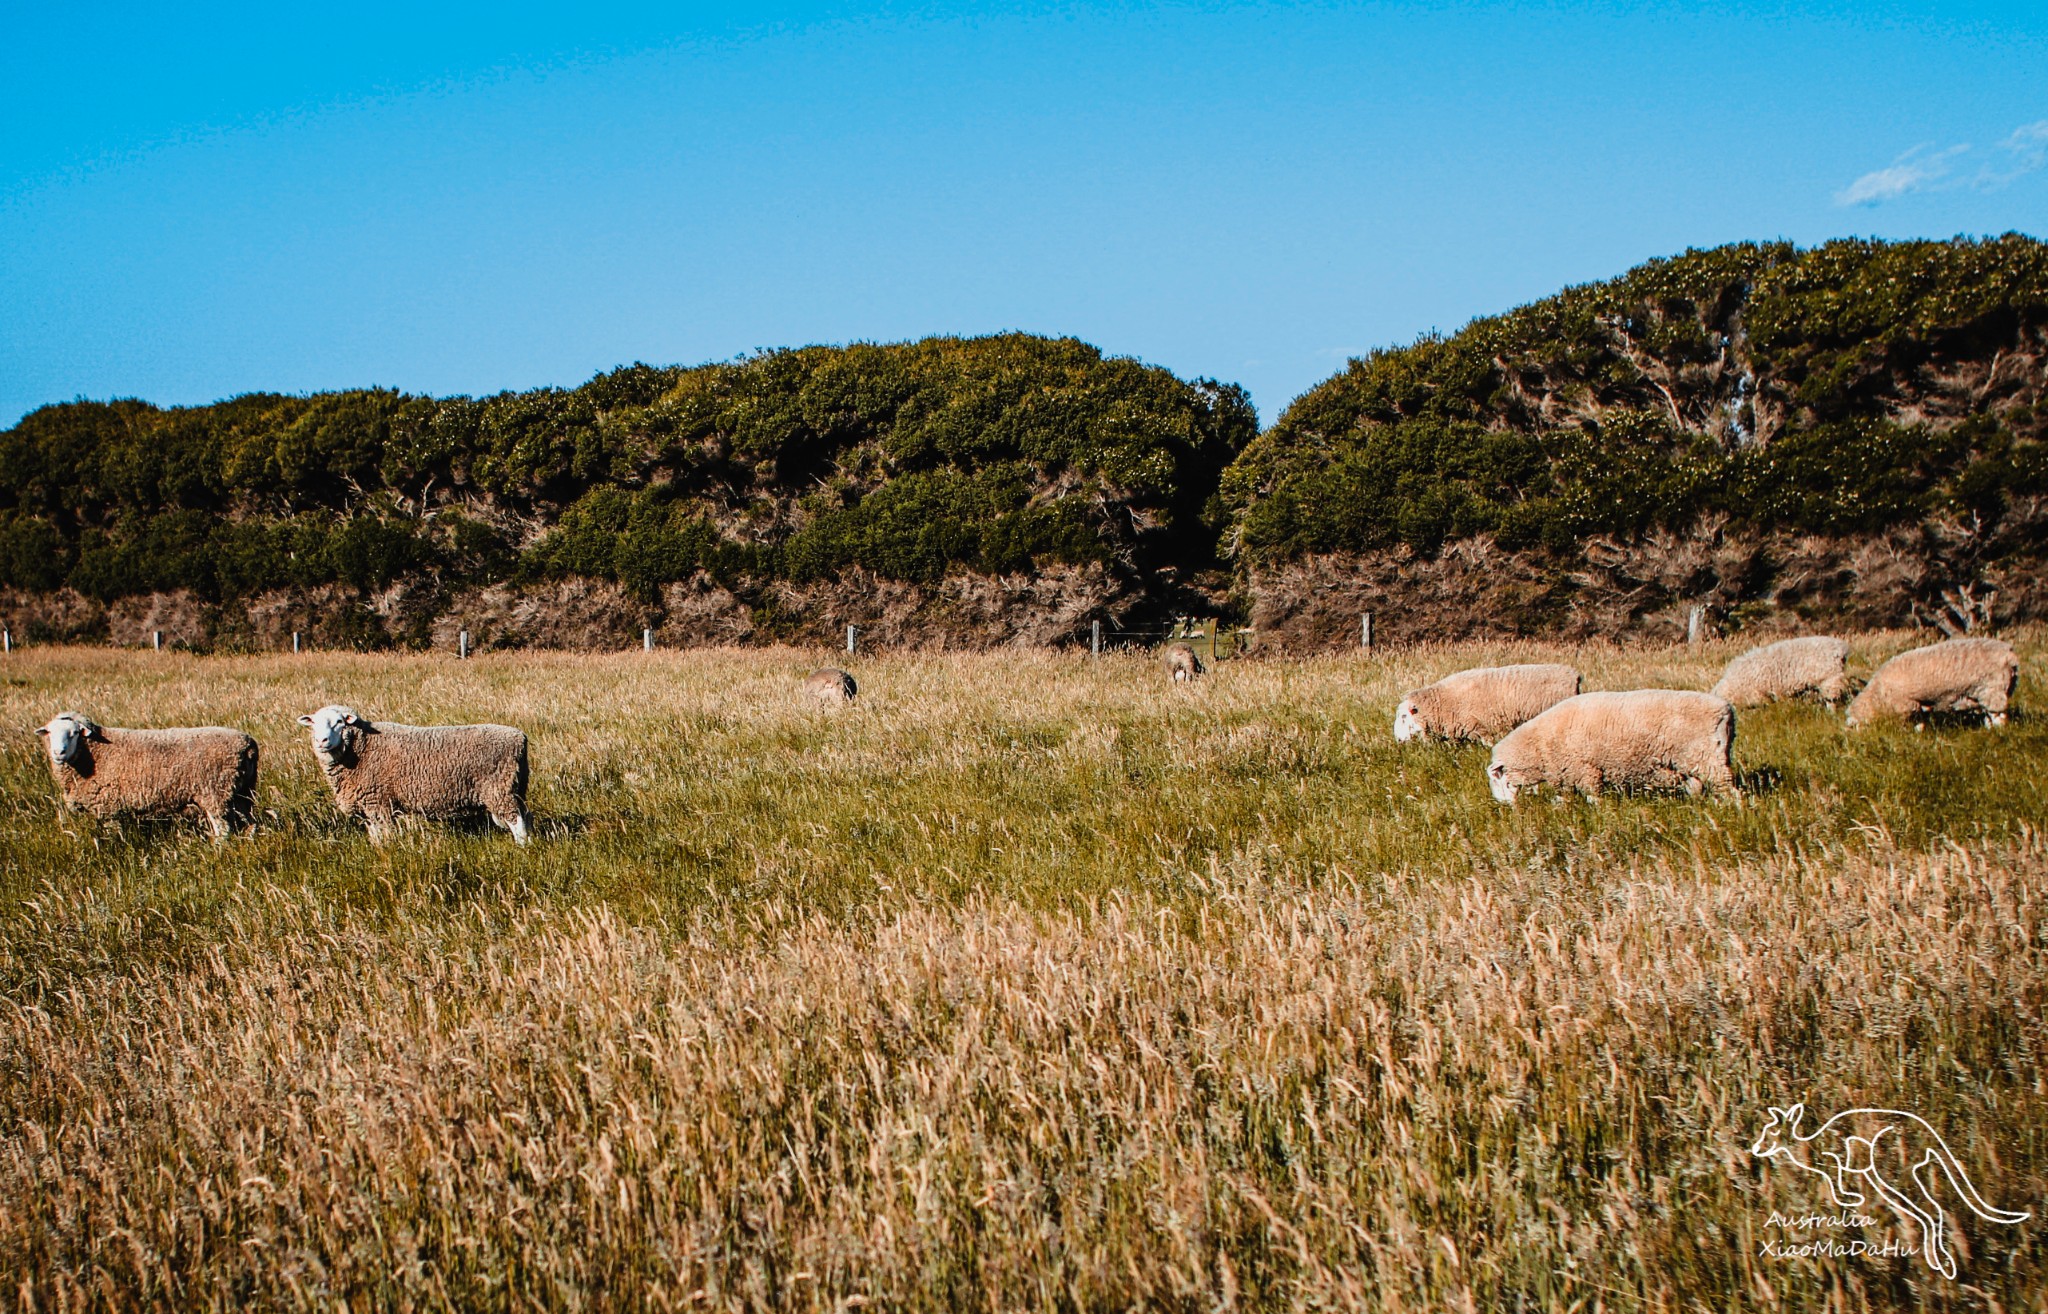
(973, 491)
(1849, 435)
(1852, 432)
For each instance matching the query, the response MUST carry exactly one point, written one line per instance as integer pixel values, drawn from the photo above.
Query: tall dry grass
(1030, 982)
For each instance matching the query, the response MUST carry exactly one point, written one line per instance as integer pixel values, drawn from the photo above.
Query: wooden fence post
(462, 645)
(1694, 623)
(295, 640)
(156, 640)
(1095, 639)
(646, 640)
(850, 632)
(1365, 630)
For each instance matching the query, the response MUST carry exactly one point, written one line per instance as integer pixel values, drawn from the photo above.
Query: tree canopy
(1839, 390)
(992, 454)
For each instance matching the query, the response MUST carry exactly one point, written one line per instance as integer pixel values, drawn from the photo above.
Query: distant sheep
(106, 771)
(829, 687)
(1788, 669)
(1482, 704)
(1644, 739)
(380, 770)
(1960, 675)
(1182, 663)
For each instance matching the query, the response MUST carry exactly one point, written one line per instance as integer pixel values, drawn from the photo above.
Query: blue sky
(201, 201)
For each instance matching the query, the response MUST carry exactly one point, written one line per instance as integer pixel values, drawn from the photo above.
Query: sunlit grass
(1028, 979)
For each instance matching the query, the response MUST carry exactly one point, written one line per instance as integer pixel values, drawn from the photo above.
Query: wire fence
(1210, 637)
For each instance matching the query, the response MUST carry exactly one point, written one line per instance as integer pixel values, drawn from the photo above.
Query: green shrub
(908, 460)
(33, 554)
(1619, 407)
(919, 525)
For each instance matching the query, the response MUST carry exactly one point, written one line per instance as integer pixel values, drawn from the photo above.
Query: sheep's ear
(306, 720)
(94, 733)
(43, 730)
(1792, 1114)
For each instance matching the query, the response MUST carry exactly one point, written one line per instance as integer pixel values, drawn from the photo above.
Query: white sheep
(106, 771)
(1790, 668)
(1959, 675)
(1643, 739)
(379, 770)
(1182, 662)
(829, 687)
(1484, 703)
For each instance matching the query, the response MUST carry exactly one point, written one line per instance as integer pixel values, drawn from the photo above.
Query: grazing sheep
(380, 770)
(829, 687)
(1788, 669)
(1482, 704)
(210, 770)
(1644, 739)
(1182, 663)
(1959, 675)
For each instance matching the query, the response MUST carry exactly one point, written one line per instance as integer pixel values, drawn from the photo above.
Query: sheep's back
(1783, 669)
(1486, 702)
(1939, 675)
(440, 768)
(166, 770)
(1628, 732)
(829, 685)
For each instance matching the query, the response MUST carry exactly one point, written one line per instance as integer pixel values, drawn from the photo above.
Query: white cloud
(1918, 170)
(1924, 169)
(2025, 151)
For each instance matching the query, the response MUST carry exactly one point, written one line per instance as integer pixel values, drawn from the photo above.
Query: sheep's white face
(328, 726)
(1497, 780)
(65, 737)
(1406, 724)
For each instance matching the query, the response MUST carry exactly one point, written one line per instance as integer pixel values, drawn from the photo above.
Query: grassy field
(1028, 981)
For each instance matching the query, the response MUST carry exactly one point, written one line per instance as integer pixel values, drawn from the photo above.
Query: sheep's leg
(217, 822)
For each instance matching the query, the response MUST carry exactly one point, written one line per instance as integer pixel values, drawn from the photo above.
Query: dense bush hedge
(992, 454)
(1846, 389)
(1842, 390)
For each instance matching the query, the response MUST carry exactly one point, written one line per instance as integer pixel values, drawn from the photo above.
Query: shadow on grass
(133, 831)
(562, 825)
(1950, 722)
(1757, 782)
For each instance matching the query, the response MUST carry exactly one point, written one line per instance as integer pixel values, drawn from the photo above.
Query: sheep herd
(1545, 733)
